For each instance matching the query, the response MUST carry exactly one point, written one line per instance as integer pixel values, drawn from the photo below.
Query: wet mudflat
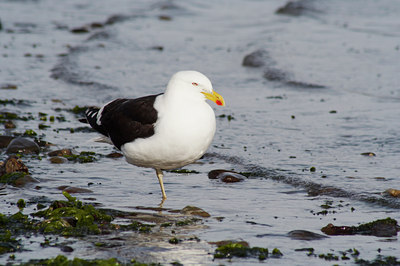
(311, 127)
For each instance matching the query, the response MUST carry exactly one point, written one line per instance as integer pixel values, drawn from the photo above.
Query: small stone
(158, 48)
(255, 59)
(9, 124)
(58, 160)
(115, 155)
(294, 8)
(67, 249)
(305, 235)
(96, 25)
(370, 154)
(393, 192)
(226, 176)
(192, 210)
(5, 140)
(61, 152)
(13, 164)
(8, 86)
(22, 145)
(227, 242)
(165, 18)
(72, 190)
(80, 30)
(24, 180)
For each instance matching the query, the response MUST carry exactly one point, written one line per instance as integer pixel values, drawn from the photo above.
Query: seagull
(163, 131)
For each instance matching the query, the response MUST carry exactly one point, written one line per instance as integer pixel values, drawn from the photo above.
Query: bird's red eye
(195, 84)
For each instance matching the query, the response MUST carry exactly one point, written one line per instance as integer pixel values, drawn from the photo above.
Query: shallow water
(337, 96)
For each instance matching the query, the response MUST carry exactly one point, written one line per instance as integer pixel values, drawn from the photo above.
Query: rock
(115, 155)
(164, 17)
(382, 228)
(66, 249)
(393, 192)
(5, 140)
(24, 180)
(61, 152)
(226, 176)
(8, 86)
(255, 59)
(227, 242)
(22, 145)
(9, 124)
(369, 154)
(11, 165)
(305, 235)
(79, 30)
(14, 172)
(72, 190)
(116, 19)
(192, 210)
(297, 8)
(58, 160)
(274, 74)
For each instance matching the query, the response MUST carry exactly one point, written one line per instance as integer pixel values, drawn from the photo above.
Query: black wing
(124, 120)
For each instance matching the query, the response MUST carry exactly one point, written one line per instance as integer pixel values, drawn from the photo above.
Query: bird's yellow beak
(215, 97)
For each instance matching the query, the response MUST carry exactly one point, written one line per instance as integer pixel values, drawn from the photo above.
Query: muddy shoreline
(309, 136)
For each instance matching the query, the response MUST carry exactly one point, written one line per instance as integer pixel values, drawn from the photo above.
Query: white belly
(181, 137)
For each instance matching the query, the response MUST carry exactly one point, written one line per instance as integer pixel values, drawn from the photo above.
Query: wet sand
(313, 117)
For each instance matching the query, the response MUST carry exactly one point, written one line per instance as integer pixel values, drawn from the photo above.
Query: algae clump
(72, 218)
(239, 250)
(61, 260)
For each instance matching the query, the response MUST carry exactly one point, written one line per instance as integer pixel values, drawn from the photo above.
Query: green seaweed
(368, 227)
(187, 222)
(379, 260)
(8, 243)
(231, 250)
(72, 218)
(78, 110)
(11, 178)
(11, 102)
(174, 241)
(21, 204)
(135, 226)
(30, 133)
(61, 260)
(184, 171)
(82, 157)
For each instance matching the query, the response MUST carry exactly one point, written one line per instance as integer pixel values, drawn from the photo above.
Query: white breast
(183, 133)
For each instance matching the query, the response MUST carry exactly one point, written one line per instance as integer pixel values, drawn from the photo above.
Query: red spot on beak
(218, 102)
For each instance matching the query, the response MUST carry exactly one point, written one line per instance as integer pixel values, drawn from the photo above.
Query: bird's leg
(160, 179)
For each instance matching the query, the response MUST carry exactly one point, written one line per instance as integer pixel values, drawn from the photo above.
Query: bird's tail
(92, 116)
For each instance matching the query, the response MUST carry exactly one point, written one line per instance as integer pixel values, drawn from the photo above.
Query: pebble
(9, 124)
(5, 140)
(26, 179)
(369, 154)
(255, 59)
(8, 86)
(22, 145)
(196, 211)
(115, 155)
(305, 235)
(11, 165)
(61, 152)
(226, 176)
(58, 160)
(393, 192)
(294, 8)
(66, 249)
(72, 190)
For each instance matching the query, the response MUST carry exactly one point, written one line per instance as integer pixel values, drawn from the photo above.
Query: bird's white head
(194, 82)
